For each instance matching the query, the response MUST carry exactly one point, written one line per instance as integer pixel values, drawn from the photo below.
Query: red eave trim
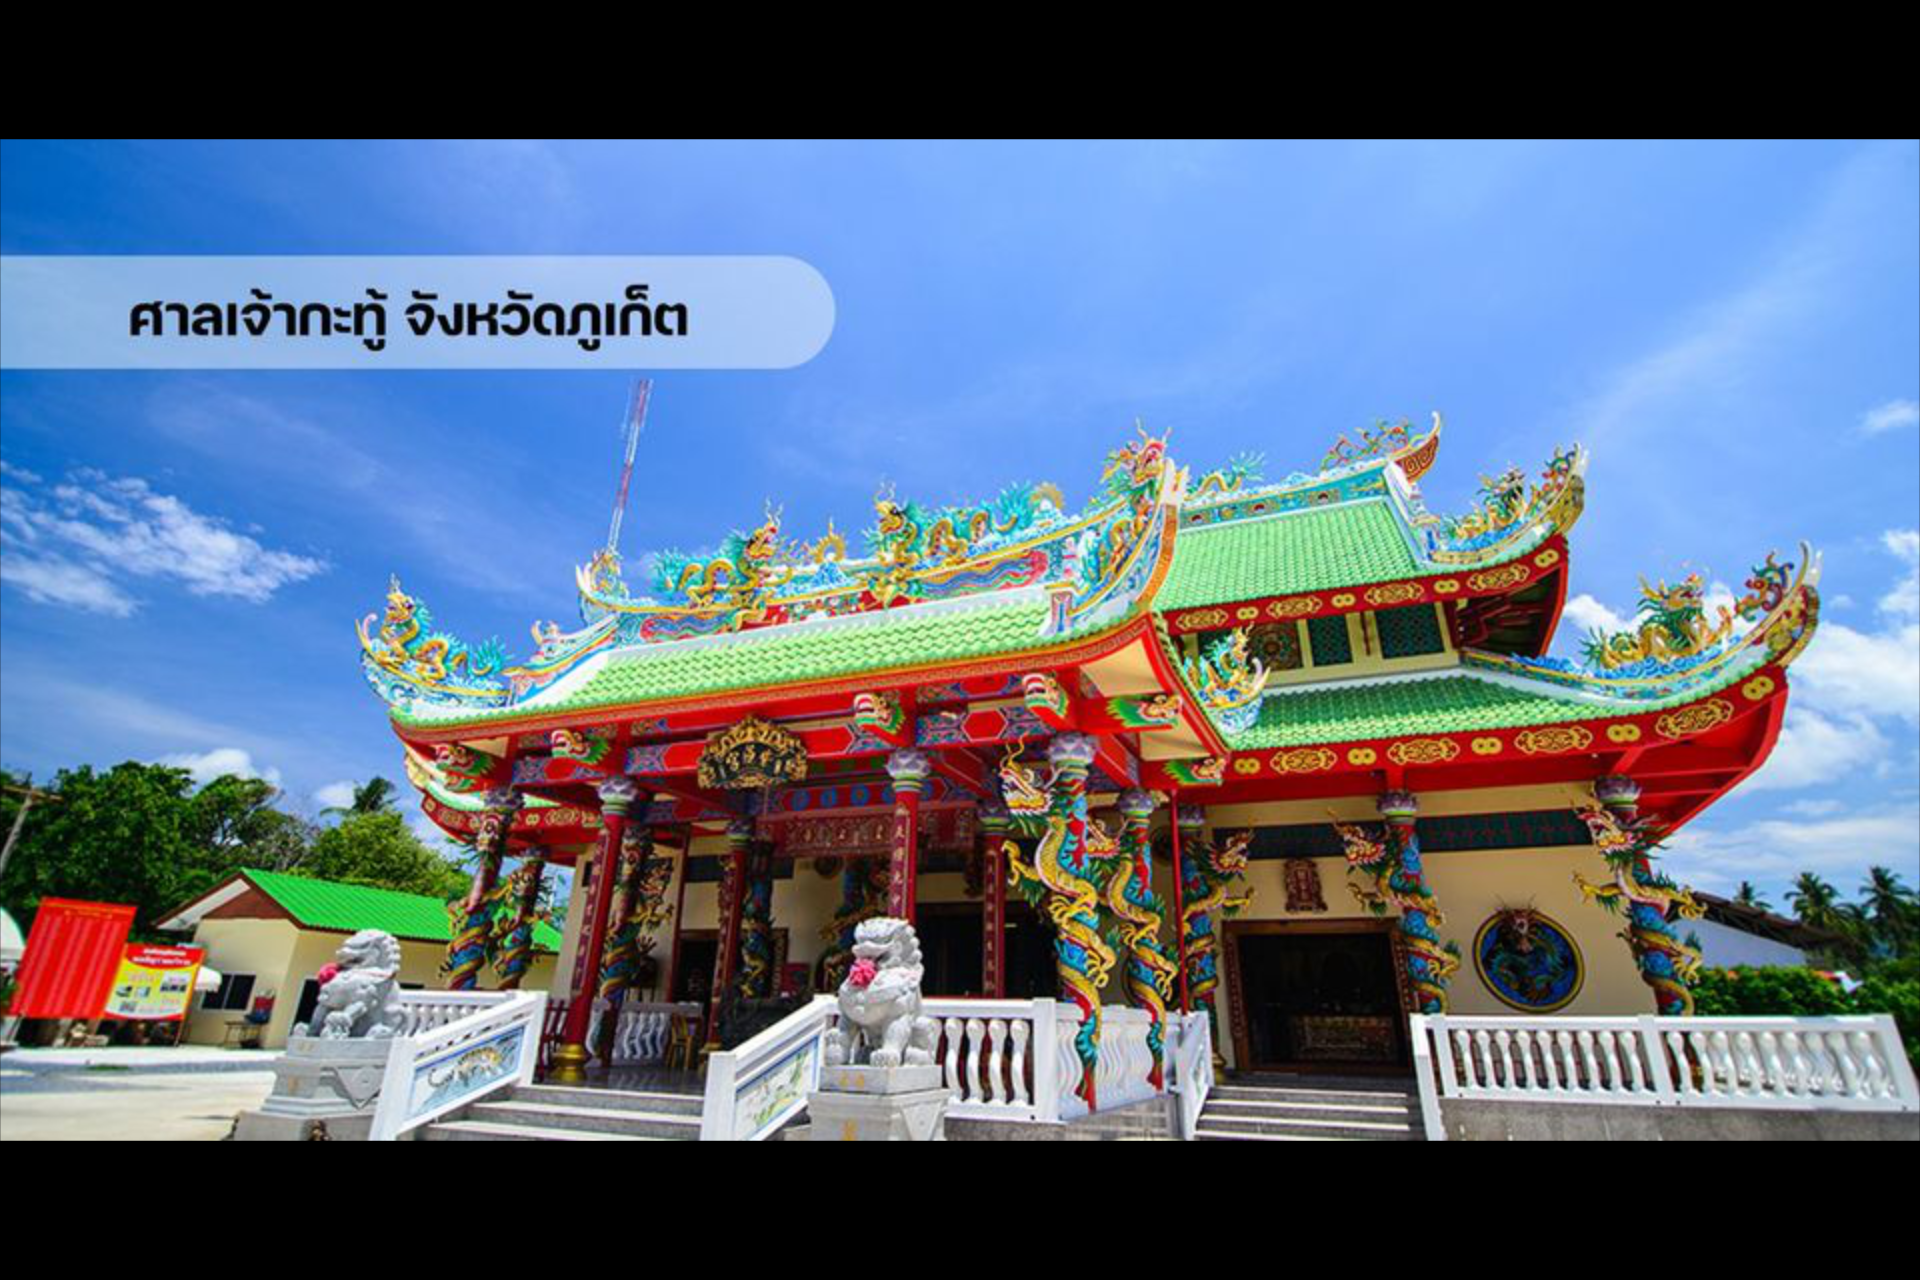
(1497, 750)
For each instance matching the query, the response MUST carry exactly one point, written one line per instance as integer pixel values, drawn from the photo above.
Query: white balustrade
(455, 1048)
(987, 1057)
(641, 1035)
(1189, 1066)
(1008, 1060)
(761, 1084)
(1841, 1064)
(426, 1011)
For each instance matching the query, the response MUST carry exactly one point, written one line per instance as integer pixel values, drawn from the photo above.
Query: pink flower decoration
(862, 973)
(326, 974)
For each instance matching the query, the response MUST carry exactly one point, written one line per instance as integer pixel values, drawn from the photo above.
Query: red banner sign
(155, 984)
(73, 953)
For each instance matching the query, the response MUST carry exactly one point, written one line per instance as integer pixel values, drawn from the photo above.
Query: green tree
(377, 849)
(1890, 909)
(235, 819)
(375, 795)
(127, 835)
(1748, 896)
(1817, 903)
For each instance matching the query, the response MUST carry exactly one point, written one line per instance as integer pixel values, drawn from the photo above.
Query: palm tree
(375, 795)
(1817, 903)
(1748, 896)
(1888, 904)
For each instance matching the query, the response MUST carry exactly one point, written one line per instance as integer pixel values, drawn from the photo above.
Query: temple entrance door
(950, 947)
(1032, 971)
(1316, 996)
(693, 967)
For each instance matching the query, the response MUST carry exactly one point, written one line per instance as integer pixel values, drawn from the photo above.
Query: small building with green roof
(268, 933)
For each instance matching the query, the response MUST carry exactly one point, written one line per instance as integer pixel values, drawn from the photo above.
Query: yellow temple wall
(1469, 887)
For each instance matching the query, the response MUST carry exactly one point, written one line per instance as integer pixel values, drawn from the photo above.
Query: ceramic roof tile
(1351, 544)
(1452, 702)
(325, 904)
(788, 655)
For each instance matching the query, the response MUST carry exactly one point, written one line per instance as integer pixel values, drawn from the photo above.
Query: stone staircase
(560, 1113)
(1305, 1109)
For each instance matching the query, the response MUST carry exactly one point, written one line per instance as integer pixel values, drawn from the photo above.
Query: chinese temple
(1290, 752)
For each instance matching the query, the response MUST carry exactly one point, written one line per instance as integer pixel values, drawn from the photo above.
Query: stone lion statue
(361, 998)
(880, 1021)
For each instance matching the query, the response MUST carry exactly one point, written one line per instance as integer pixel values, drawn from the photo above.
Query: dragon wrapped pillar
(515, 954)
(1150, 971)
(617, 795)
(1211, 879)
(1066, 862)
(733, 888)
(1430, 965)
(909, 769)
(1652, 901)
(622, 956)
(474, 936)
(756, 925)
(996, 823)
(863, 895)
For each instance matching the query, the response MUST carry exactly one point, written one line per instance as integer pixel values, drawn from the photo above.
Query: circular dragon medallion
(1528, 961)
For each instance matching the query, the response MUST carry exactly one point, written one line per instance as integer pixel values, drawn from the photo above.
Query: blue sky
(1732, 330)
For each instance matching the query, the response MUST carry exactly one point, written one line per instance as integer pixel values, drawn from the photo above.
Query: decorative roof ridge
(996, 601)
(1344, 504)
(1410, 461)
(1099, 566)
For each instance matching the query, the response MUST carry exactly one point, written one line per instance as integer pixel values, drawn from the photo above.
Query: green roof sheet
(782, 655)
(324, 904)
(1453, 701)
(1348, 545)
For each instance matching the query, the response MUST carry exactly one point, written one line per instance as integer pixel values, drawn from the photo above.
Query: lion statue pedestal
(880, 1082)
(330, 1074)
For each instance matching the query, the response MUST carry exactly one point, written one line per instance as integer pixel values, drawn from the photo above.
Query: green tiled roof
(323, 904)
(785, 655)
(1445, 704)
(1453, 702)
(1348, 545)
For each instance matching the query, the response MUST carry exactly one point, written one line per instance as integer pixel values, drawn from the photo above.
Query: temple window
(1410, 632)
(235, 993)
(1332, 643)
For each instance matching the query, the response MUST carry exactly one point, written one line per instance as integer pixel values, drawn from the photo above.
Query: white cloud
(1774, 851)
(1584, 613)
(78, 543)
(335, 795)
(1890, 416)
(205, 766)
(1846, 671)
(1904, 600)
(1854, 672)
(1814, 749)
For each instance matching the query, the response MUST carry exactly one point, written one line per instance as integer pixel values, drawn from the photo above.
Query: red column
(995, 822)
(570, 1059)
(909, 770)
(733, 892)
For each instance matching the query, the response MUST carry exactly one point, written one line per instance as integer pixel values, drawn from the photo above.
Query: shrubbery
(1788, 990)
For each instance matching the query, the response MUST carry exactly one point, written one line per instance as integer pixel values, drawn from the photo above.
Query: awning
(12, 944)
